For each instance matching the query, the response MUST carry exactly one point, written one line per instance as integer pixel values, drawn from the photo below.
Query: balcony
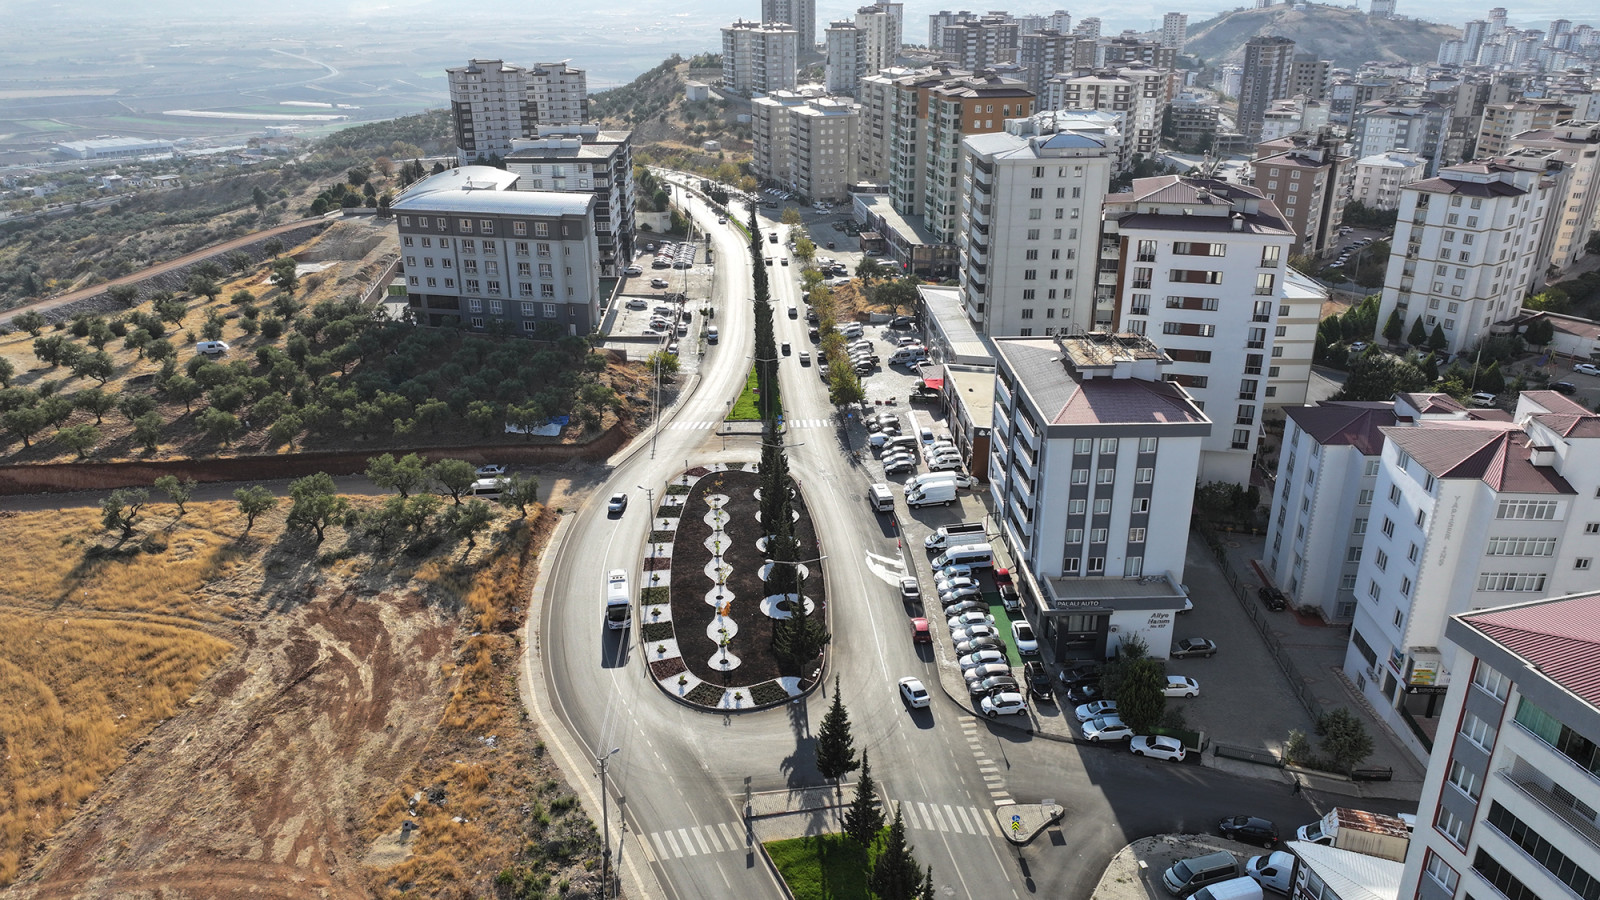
(1022, 493)
(1536, 787)
(1019, 518)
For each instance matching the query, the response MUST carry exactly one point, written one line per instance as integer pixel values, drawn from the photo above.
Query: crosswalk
(704, 425)
(992, 780)
(729, 837)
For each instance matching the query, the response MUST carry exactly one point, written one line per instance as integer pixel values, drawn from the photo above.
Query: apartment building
(1031, 199)
(769, 135)
(908, 136)
(1467, 515)
(801, 15)
(1466, 248)
(1420, 126)
(479, 254)
(1047, 53)
(1503, 121)
(881, 27)
(877, 95)
(1131, 50)
(979, 43)
(1268, 71)
(975, 104)
(864, 46)
(558, 95)
(1294, 341)
(842, 52)
(1174, 31)
(1138, 93)
(488, 107)
(1193, 122)
(1304, 176)
(1310, 77)
(822, 147)
(1508, 804)
(1378, 179)
(759, 57)
(1577, 146)
(584, 159)
(1198, 265)
(1090, 423)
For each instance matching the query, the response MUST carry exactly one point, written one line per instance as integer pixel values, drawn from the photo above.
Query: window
(1526, 509)
(1489, 680)
(1465, 780)
(542, 229)
(1547, 855)
(1364, 498)
(1108, 445)
(1412, 554)
(1399, 619)
(1592, 528)
(1581, 563)
(1080, 476)
(1141, 505)
(1148, 445)
(1394, 494)
(1360, 527)
(1135, 535)
(1347, 582)
(1476, 730)
(1105, 476)
(1381, 561)
(1097, 536)
(1097, 565)
(1440, 872)
(1075, 507)
(1102, 506)
(1266, 284)
(1510, 581)
(1507, 546)
(1133, 566)
(1405, 586)
(1144, 475)
(1075, 535)
(1073, 564)
(1388, 527)
(1372, 588)
(1451, 826)
(1241, 439)
(1082, 445)
(1352, 554)
(1270, 256)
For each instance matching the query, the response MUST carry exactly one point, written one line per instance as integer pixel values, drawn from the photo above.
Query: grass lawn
(744, 408)
(823, 867)
(1002, 624)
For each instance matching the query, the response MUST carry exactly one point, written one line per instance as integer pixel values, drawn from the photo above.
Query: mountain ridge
(1345, 35)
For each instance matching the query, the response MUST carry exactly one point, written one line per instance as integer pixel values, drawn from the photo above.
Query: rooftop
(1345, 423)
(1350, 875)
(1560, 638)
(1047, 370)
(1496, 453)
(485, 189)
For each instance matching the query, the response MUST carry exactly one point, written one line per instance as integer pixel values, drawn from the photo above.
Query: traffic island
(707, 614)
(1022, 822)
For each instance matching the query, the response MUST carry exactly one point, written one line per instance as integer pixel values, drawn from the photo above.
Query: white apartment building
(857, 48)
(1465, 516)
(957, 107)
(1508, 804)
(822, 147)
(1420, 126)
(842, 52)
(769, 133)
(1466, 248)
(1198, 265)
(488, 107)
(583, 158)
(1377, 179)
(479, 254)
(1294, 341)
(1174, 30)
(1577, 146)
(558, 94)
(759, 57)
(1137, 92)
(877, 95)
(1030, 199)
(801, 15)
(1092, 466)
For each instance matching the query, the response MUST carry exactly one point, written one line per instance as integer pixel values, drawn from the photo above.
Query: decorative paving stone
(718, 598)
(721, 627)
(718, 572)
(766, 570)
(726, 662)
(793, 515)
(769, 605)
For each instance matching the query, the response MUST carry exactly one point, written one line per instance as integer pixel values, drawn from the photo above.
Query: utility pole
(605, 824)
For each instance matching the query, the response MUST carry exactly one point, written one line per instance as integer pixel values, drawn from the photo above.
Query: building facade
(1508, 804)
(479, 254)
(1503, 121)
(1378, 179)
(558, 95)
(842, 52)
(1138, 93)
(769, 135)
(1577, 146)
(1305, 177)
(759, 57)
(1031, 199)
(1174, 30)
(822, 147)
(980, 42)
(1420, 126)
(801, 15)
(1093, 462)
(1198, 265)
(959, 107)
(1268, 70)
(488, 107)
(585, 159)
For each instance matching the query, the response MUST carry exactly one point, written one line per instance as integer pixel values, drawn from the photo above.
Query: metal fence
(1258, 615)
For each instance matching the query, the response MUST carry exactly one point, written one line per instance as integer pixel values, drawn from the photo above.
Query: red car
(919, 632)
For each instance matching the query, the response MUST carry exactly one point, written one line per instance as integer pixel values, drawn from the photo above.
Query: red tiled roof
(1490, 452)
(1125, 400)
(1561, 638)
(1568, 425)
(1555, 402)
(1345, 423)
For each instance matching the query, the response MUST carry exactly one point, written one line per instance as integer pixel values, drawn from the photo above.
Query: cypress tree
(1418, 334)
(836, 751)
(896, 874)
(863, 820)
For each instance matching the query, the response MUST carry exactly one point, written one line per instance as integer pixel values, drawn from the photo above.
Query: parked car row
(675, 256)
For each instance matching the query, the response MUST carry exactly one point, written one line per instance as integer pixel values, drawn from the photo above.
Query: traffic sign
(1016, 819)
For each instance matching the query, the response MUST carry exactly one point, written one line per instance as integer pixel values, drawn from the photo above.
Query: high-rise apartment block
(1508, 804)
(493, 103)
(1305, 177)
(1377, 179)
(584, 159)
(558, 95)
(1047, 53)
(1467, 247)
(1268, 73)
(1198, 265)
(1031, 200)
(979, 43)
(1577, 146)
(1502, 121)
(862, 47)
(958, 107)
(1310, 77)
(1382, 9)
(842, 52)
(1467, 515)
(801, 15)
(479, 254)
(759, 57)
(1092, 464)
(1138, 93)
(1419, 125)
(877, 95)
(822, 147)
(1174, 30)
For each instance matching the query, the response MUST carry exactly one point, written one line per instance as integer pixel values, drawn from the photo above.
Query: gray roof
(485, 189)
(1064, 399)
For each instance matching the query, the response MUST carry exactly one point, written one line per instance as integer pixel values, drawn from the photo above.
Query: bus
(619, 606)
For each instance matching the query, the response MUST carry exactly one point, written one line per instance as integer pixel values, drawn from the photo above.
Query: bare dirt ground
(363, 692)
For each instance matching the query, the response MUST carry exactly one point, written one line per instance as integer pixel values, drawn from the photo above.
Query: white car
(618, 503)
(945, 582)
(987, 670)
(1158, 746)
(1096, 709)
(915, 695)
(982, 657)
(1106, 728)
(1586, 369)
(973, 633)
(1004, 704)
(951, 596)
(954, 570)
(633, 270)
(975, 617)
(637, 303)
(492, 470)
(1022, 634)
(1181, 686)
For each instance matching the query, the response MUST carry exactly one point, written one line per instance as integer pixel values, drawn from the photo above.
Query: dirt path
(158, 269)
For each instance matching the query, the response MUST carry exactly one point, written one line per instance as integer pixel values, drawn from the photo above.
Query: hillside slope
(1347, 36)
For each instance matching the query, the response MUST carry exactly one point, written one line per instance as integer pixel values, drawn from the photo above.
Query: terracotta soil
(690, 557)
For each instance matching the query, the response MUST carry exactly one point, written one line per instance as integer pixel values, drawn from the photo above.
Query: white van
(975, 555)
(851, 330)
(211, 348)
(488, 487)
(908, 356)
(1244, 888)
(711, 334)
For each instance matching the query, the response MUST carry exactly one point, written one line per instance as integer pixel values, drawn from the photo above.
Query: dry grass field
(197, 712)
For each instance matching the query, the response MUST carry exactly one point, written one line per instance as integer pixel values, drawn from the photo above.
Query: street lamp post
(605, 824)
(650, 500)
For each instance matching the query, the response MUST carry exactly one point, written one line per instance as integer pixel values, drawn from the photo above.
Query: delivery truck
(948, 536)
(1363, 832)
(938, 493)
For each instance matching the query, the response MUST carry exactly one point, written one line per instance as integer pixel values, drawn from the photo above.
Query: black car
(1083, 692)
(1563, 387)
(1088, 673)
(1040, 684)
(1249, 829)
(992, 684)
(1273, 598)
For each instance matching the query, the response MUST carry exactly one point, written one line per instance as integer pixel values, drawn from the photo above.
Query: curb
(1023, 822)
